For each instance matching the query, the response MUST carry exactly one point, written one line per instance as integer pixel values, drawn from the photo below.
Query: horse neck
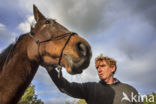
(15, 77)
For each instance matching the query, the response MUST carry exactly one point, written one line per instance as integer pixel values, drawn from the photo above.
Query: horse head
(55, 41)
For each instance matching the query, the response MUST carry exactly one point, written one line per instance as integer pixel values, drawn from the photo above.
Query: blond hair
(110, 61)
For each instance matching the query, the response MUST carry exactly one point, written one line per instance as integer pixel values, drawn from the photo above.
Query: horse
(48, 44)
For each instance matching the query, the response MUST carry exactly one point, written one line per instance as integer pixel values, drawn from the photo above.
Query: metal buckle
(59, 67)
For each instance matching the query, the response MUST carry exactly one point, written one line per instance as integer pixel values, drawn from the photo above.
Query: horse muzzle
(77, 65)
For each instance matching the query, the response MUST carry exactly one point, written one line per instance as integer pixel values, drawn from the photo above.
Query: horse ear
(37, 14)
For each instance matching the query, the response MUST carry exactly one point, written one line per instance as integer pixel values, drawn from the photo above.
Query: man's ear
(113, 69)
(37, 14)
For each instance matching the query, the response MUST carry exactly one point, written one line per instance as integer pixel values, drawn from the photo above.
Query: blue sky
(123, 29)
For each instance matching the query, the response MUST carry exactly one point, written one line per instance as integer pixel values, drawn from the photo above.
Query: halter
(58, 66)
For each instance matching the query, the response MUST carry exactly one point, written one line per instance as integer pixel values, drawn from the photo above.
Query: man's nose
(99, 69)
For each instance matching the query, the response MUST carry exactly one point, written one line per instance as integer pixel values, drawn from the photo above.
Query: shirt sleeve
(77, 90)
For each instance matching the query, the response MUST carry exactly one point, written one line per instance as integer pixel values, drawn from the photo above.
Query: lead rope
(59, 67)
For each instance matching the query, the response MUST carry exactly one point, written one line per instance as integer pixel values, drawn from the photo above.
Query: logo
(125, 97)
(137, 98)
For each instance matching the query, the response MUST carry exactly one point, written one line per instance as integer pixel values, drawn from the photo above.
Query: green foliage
(30, 97)
(81, 101)
(150, 99)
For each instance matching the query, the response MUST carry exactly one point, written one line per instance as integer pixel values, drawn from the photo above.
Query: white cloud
(82, 15)
(4, 33)
(26, 25)
(2, 26)
(60, 100)
(6, 37)
(55, 101)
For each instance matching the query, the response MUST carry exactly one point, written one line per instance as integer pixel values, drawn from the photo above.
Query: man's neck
(109, 80)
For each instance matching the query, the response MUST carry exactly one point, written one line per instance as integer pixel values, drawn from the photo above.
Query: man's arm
(77, 90)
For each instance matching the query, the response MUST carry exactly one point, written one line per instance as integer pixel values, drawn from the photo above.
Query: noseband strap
(58, 66)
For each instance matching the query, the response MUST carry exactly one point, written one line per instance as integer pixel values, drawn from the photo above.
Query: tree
(30, 97)
(81, 101)
(150, 99)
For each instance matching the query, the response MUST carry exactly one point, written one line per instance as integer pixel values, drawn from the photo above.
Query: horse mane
(7, 53)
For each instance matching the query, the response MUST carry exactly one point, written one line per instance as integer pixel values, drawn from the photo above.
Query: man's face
(104, 70)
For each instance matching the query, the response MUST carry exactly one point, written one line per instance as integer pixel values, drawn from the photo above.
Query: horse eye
(47, 22)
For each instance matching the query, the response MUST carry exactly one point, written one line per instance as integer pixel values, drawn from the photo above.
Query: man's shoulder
(91, 84)
(128, 87)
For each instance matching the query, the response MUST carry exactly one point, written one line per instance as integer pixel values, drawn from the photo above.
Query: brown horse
(44, 45)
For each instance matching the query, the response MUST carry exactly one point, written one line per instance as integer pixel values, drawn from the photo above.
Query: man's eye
(102, 66)
(47, 22)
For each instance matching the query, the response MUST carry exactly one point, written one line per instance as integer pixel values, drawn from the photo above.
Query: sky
(121, 29)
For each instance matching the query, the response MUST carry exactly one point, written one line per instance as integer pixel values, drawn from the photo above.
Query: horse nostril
(82, 49)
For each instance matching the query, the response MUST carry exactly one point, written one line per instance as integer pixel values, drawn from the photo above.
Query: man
(108, 90)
